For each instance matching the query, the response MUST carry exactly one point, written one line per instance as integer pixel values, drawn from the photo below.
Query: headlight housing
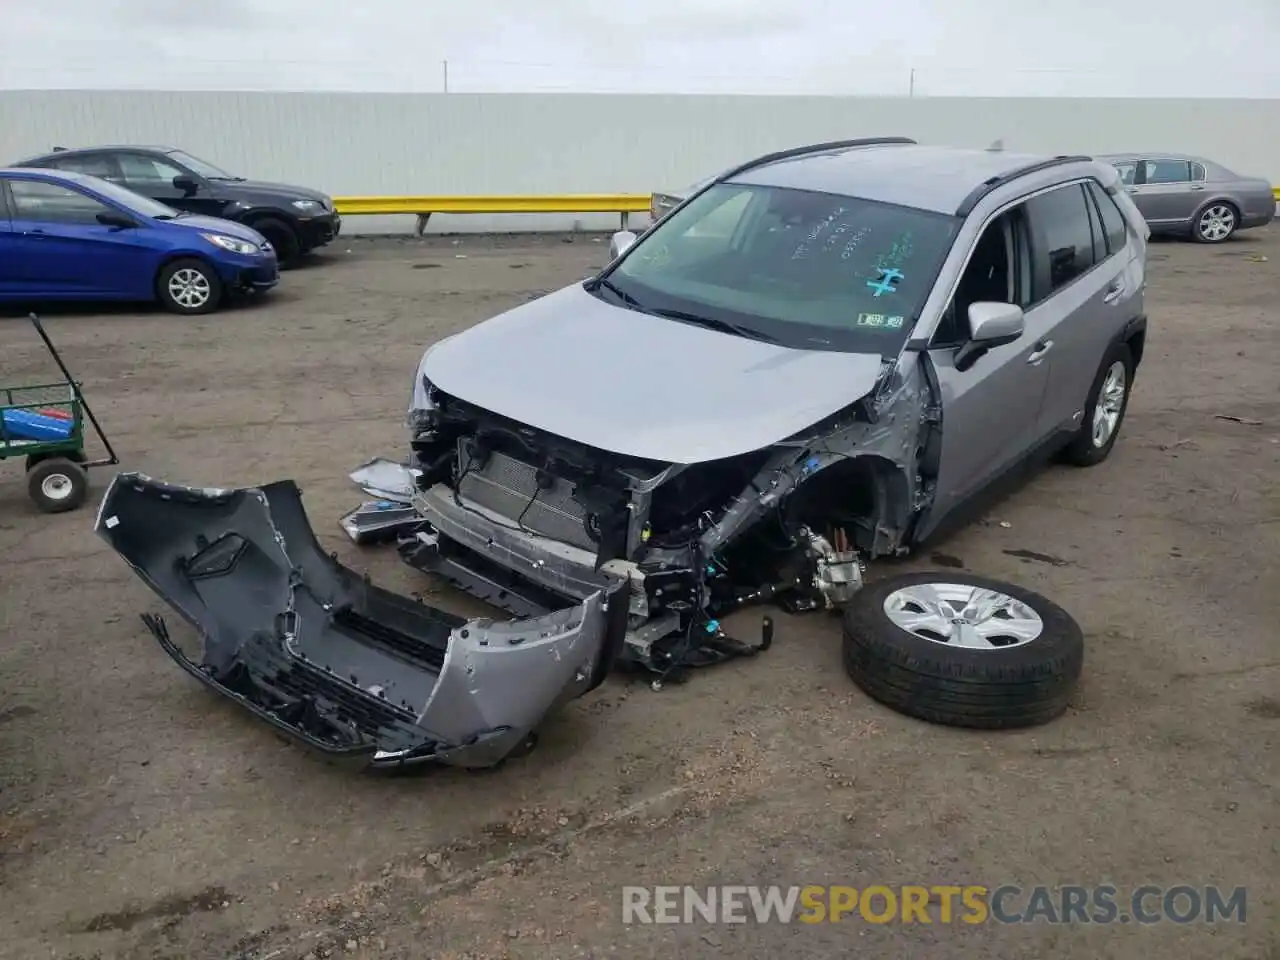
(234, 244)
(308, 206)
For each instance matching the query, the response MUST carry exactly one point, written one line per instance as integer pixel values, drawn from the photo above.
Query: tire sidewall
(71, 471)
(1087, 452)
(189, 263)
(1195, 224)
(282, 237)
(866, 616)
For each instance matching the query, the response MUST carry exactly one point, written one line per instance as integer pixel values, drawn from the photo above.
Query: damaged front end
(528, 520)
(325, 656)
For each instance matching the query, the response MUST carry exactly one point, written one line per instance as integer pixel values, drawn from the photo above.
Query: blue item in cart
(29, 425)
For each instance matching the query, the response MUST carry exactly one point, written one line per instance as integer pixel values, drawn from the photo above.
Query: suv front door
(990, 409)
(153, 176)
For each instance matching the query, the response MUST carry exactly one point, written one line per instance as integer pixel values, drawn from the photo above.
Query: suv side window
(1061, 224)
(145, 173)
(1198, 172)
(1166, 171)
(1113, 225)
(95, 165)
(999, 270)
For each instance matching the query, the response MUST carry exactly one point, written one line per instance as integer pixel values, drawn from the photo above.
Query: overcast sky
(956, 47)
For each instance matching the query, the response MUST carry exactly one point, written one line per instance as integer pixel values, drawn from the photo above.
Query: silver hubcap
(1216, 223)
(1106, 412)
(189, 288)
(962, 615)
(56, 486)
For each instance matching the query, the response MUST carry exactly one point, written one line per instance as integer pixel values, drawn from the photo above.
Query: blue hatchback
(68, 236)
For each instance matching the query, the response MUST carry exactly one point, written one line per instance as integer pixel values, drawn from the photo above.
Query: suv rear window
(814, 271)
(94, 166)
(1113, 226)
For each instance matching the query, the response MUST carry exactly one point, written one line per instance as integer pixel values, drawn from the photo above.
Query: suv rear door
(1082, 292)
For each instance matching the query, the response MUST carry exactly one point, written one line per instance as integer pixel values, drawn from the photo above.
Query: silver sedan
(1178, 193)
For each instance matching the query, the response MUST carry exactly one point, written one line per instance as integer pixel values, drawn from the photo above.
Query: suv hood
(274, 191)
(641, 385)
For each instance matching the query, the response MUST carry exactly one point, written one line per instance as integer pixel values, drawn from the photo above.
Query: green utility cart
(44, 422)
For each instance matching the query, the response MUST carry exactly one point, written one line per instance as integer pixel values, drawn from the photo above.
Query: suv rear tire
(1090, 446)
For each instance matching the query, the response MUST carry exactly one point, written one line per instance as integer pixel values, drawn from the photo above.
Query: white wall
(351, 143)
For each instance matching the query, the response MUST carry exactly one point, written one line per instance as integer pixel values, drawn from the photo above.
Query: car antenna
(59, 149)
(996, 146)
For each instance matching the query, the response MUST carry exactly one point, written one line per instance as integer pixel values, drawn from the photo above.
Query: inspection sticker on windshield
(881, 321)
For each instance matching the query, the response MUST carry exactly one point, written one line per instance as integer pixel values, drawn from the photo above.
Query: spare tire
(961, 650)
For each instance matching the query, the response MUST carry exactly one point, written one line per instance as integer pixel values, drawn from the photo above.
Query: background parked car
(1177, 193)
(660, 204)
(296, 220)
(68, 236)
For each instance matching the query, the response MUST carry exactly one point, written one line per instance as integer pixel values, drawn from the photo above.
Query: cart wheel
(57, 485)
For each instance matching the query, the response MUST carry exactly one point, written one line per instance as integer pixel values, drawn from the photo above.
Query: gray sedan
(1178, 193)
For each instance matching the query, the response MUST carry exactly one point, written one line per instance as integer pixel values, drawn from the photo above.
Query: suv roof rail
(991, 183)
(814, 148)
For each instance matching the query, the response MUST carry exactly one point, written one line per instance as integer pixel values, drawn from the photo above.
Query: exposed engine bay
(530, 521)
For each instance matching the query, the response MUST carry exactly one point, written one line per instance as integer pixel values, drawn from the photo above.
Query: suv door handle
(1036, 355)
(1197, 186)
(1114, 292)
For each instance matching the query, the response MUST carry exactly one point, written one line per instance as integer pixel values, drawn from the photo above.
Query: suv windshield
(814, 271)
(200, 168)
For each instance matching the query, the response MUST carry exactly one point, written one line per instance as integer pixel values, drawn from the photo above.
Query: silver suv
(815, 359)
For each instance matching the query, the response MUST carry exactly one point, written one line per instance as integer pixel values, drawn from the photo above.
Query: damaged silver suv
(815, 359)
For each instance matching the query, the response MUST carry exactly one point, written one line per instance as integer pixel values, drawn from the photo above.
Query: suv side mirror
(117, 221)
(620, 242)
(186, 184)
(990, 325)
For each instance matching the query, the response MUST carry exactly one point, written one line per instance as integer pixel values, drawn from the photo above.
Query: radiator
(509, 488)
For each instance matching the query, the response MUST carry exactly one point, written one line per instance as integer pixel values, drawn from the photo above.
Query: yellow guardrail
(569, 203)
(423, 207)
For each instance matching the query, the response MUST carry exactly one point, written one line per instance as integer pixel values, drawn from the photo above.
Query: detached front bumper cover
(322, 654)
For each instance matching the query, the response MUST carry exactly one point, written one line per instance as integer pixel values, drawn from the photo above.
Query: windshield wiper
(713, 323)
(618, 292)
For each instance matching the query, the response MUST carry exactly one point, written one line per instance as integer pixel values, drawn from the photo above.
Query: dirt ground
(142, 817)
